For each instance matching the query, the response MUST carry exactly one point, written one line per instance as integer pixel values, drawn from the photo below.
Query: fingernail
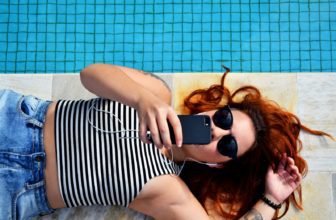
(179, 144)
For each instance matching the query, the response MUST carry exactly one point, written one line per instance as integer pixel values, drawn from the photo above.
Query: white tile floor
(311, 95)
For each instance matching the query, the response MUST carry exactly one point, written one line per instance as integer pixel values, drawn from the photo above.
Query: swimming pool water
(168, 36)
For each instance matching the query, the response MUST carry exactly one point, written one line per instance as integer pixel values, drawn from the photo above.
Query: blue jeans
(22, 156)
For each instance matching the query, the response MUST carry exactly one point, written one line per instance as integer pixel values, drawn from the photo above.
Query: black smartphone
(196, 129)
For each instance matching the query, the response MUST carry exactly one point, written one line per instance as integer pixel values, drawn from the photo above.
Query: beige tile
(322, 160)
(125, 214)
(317, 198)
(69, 86)
(334, 192)
(30, 84)
(317, 102)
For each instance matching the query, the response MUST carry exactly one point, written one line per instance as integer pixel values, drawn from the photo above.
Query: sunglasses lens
(227, 146)
(223, 118)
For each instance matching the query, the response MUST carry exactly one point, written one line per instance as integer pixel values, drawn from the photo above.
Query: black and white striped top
(96, 165)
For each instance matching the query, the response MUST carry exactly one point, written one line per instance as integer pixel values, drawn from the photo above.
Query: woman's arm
(279, 185)
(147, 94)
(123, 84)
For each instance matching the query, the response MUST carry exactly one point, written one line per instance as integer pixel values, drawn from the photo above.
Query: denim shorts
(22, 156)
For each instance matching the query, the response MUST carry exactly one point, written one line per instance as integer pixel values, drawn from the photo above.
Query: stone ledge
(323, 160)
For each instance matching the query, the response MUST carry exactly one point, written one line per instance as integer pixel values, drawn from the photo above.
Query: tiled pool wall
(58, 36)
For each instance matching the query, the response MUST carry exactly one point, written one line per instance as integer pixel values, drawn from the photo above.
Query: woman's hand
(280, 184)
(154, 115)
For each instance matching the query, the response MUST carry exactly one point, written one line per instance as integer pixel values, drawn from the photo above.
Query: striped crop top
(96, 162)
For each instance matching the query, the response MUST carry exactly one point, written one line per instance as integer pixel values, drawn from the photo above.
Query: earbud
(208, 164)
(212, 164)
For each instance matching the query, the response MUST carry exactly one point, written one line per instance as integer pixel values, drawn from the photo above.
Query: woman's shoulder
(162, 186)
(168, 196)
(167, 189)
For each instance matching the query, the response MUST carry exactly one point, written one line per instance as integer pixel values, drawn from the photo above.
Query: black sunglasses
(227, 145)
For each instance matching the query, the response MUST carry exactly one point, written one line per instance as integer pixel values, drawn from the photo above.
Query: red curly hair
(237, 186)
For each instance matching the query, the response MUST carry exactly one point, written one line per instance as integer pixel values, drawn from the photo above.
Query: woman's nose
(218, 132)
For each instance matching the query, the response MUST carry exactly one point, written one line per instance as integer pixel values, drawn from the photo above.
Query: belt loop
(35, 122)
(41, 112)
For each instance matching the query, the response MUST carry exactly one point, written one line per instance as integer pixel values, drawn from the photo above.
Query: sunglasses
(227, 145)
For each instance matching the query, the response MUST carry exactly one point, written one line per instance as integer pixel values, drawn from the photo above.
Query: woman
(86, 152)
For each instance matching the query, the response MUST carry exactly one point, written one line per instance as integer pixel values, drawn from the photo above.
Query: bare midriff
(51, 177)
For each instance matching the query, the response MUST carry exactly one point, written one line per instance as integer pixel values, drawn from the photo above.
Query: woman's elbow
(89, 69)
(86, 75)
